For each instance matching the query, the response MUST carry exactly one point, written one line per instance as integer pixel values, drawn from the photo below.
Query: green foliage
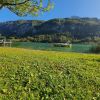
(95, 49)
(62, 38)
(42, 75)
(24, 7)
(45, 38)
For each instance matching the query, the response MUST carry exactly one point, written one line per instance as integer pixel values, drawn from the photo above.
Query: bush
(95, 49)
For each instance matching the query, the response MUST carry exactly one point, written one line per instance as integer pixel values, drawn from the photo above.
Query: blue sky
(62, 9)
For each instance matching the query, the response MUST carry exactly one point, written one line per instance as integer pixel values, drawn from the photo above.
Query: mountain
(74, 28)
(18, 28)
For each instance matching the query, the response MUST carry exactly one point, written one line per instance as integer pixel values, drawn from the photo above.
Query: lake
(82, 48)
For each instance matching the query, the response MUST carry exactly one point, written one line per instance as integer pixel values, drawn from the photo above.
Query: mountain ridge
(74, 27)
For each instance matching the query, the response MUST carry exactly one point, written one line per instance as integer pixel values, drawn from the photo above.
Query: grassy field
(48, 75)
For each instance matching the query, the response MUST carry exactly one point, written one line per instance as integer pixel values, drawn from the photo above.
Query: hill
(54, 30)
(46, 75)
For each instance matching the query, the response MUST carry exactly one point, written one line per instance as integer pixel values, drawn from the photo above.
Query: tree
(95, 49)
(25, 7)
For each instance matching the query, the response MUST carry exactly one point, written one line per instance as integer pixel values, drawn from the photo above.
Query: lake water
(49, 46)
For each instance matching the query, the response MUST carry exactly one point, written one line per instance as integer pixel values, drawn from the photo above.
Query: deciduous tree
(25, 7)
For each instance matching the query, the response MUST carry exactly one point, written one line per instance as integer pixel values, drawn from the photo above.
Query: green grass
(47, 75)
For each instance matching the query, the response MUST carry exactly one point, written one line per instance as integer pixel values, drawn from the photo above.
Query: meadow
(48, 75)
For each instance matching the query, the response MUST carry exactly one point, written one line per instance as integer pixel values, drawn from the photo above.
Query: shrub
(95, 49)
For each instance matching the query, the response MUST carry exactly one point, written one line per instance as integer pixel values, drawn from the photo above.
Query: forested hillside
(54, 30)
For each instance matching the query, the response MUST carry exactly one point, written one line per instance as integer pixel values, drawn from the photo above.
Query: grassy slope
(45, 75)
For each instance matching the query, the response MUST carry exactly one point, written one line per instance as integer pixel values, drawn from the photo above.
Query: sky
(62, 9)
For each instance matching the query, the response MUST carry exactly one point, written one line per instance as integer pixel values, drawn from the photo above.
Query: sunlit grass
(48, 75)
